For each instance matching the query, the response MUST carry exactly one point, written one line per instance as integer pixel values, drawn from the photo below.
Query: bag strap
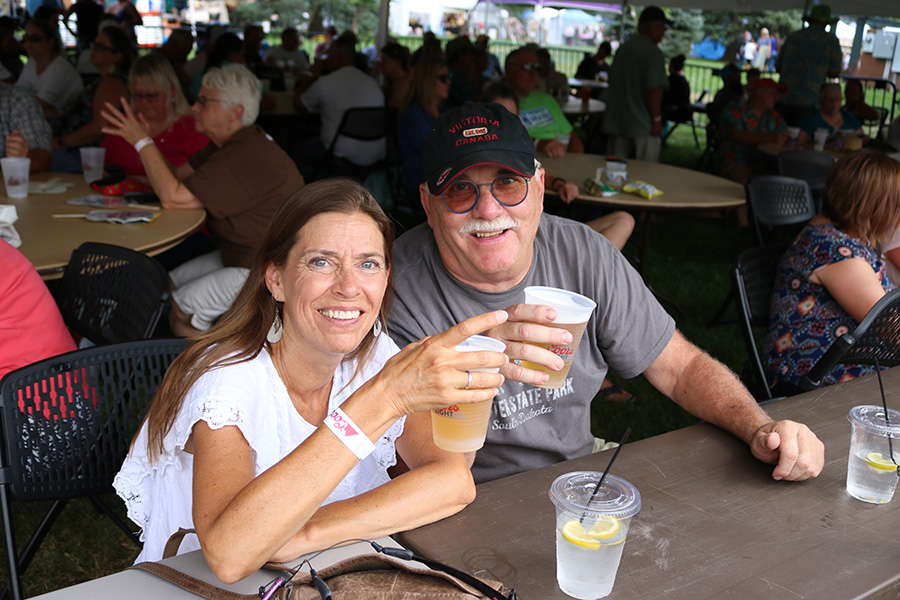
(174, 542)
(191, 584)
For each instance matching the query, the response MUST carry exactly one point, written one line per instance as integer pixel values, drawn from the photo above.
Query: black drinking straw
(602, 477)
(887, 416)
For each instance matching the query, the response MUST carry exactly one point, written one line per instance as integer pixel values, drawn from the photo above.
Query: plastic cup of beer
(92, 163)
(15, 176)
(572, 313)
(874, 453)
(590, 533)
(462, 427)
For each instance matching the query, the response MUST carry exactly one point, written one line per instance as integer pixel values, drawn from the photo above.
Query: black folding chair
(875, 341)
(368, 124)
(754, 277)
(110, 294)
(776, 201)
(810, 166)
(66, 425)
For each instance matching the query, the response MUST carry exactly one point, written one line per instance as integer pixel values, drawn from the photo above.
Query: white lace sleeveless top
(251, 397)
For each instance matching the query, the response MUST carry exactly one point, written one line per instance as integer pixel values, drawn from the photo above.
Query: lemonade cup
(871, 473)
(462, 427)
(591, 530)
(572, 314)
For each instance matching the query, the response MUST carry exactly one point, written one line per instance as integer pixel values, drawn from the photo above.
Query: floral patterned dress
(805, 318)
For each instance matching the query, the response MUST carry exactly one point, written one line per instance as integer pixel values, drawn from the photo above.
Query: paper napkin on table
(8, 233)
(53, 186)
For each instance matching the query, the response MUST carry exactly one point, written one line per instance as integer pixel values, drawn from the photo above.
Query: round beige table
(594, 83)
(683, 189)
(48, 242)
(776, 149)
(575, 107)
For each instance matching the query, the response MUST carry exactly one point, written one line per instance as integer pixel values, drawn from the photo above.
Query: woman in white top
(47, 74)
(234, 445)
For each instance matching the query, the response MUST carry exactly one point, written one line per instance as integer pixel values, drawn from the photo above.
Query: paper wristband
(349, 433)
(139, 145)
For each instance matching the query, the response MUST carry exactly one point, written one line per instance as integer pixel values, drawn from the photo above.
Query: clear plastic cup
(462, 427)
(15, 176)
(92, 163)
(871, 474)
(591, 533)
(572, 313)
(821, 136)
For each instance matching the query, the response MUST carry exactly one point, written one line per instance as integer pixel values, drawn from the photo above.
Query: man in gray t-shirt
(486, 241)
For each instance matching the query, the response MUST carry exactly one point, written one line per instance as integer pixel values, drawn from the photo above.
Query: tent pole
(381, 34)
(857, 44)
(622, 22)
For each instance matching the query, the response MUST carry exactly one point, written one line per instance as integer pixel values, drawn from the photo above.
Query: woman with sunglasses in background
(155, 96)
(80, 122)
(430, 84)
(47, 74)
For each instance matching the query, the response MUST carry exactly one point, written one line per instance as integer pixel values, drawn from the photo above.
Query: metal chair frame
(875, 341)
(365, 123)
(66, 424)
(110, 294)
(754, 277)
(775, 200)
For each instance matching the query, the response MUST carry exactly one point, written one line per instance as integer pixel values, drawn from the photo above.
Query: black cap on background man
(654, 14)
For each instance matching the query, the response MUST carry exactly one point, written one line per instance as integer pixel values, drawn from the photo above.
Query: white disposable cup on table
(92, 163)
(591, 530)
(572, 314)
(820, 137)
(462, 427)
(15, 176)
(793, 133)
(871, 472)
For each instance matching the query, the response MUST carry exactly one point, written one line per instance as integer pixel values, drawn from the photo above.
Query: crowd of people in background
(268, 287)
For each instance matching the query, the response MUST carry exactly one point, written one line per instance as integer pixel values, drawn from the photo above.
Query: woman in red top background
(157, 98)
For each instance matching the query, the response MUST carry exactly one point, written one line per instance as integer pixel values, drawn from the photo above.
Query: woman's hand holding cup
(431, 373)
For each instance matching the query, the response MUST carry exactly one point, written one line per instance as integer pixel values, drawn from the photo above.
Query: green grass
(689, 260)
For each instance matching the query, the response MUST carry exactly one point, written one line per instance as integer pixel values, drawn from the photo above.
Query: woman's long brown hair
(241, 332)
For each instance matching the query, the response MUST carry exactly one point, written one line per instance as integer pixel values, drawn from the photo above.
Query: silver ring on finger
(469, 382)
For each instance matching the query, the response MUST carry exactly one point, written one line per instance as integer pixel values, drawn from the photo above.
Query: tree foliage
(359, 16)
(728, 26)
(687, 30)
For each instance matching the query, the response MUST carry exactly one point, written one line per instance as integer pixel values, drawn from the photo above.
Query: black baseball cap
(473, 135)
(654, 14)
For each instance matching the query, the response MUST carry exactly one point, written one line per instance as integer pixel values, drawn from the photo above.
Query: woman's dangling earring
(276, 330)
(376, 330)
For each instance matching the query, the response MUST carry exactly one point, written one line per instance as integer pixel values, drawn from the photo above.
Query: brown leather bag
(364, 577)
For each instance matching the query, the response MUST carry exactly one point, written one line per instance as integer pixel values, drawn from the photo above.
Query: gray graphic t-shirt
(531, 427)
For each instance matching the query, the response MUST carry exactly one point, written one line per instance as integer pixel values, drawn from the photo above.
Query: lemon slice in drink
(574, 533)
(877, 461)
(604, 528)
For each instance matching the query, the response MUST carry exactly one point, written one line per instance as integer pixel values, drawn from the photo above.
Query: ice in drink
(874, 453)
(462, 427)
(590, 534)
(572, 313)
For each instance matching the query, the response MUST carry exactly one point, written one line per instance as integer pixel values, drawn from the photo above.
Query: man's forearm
(706, 388)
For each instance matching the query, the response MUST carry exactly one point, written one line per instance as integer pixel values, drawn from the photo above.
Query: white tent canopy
(853, 8)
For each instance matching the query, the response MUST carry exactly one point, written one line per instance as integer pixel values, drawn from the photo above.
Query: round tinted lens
(510, 189)
(460, 196)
